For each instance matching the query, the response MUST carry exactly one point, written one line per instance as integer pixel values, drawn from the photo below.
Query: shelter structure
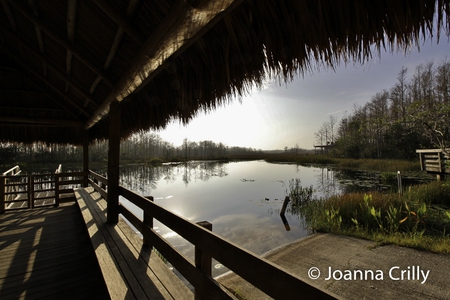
(76, 71)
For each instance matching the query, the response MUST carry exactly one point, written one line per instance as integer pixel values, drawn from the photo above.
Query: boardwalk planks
(131, 271)
(46, 253)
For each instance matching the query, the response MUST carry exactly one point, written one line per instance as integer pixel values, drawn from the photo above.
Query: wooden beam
(12, 22)
(22, 91)
(46, 81)
(48, 64)
(132, 5)
(120, 20)
(33, 6)
(58, 102)
(181, 28)
(71, 20)
(42, 121)
(35, 109)
(63, 42)
(40, 87)
(85, 157)
(112, 210)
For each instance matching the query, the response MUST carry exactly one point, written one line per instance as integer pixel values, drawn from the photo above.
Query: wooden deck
(46, 253)
(131, 270)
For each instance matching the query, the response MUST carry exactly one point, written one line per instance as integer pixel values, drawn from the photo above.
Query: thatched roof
(63, 62)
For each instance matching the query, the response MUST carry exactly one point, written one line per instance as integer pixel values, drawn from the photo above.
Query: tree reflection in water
(145, 178)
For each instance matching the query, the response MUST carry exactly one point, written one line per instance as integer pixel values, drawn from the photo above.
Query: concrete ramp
(357, 269)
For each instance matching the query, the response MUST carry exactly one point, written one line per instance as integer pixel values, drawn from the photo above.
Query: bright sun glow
(238, 124)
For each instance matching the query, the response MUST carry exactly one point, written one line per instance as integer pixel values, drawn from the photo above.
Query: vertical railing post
(203, 259)
(30, 191)
(148, 220)
(57, 179)
(85, 158)
(112, 210)
(2, 194)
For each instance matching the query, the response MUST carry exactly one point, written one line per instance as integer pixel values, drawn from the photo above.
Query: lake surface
(241, 199)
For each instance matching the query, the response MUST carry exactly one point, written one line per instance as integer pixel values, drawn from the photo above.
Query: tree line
(141, 147)
(413, 114)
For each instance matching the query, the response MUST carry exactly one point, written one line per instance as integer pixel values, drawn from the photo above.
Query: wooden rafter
(24, 66)
(38, 31)
(35, 109)
(180, 29)
(132, 5)
(41, 121)
(71, 20)
(12, 22)
(62, 41)
(47, 63)
(121, 21)
(61, 104)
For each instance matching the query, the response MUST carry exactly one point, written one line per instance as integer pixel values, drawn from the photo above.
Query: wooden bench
(130, 270)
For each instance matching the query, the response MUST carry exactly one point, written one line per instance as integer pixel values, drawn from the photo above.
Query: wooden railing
(37, 190)
(261, 273)
(433, 161)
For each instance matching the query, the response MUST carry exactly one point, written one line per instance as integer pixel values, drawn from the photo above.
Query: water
(241, 199)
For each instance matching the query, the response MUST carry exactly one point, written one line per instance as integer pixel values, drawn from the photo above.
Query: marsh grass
(419, 219)
(382, 165)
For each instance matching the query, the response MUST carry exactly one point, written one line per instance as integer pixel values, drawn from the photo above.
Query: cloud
(336, 112)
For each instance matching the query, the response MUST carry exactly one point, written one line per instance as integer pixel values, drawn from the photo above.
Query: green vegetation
(144, 147)
(384, 165)
(299, 195)
(419, 219)
(414, 113)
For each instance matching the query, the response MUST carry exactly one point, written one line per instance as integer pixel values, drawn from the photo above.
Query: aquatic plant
(411, 220)
(297, 194)
(388, 177)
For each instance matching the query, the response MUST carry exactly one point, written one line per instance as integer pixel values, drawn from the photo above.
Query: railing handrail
(437, 150)
(434, 161)
(24, 185)
(14, 171)
(236, 258)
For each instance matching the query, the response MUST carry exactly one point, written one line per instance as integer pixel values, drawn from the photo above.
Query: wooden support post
(285, 203)
(57, 179)
(112, 211)
(2, 194)
(85, 157)
(148, 220)
(399, 181)
(422, 161)
(30, 191)
(203, 259)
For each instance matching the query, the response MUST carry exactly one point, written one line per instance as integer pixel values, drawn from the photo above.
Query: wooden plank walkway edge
(130, 270)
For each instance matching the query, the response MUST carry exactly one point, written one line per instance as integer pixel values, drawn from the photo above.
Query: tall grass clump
(420, 218)
(297, 194)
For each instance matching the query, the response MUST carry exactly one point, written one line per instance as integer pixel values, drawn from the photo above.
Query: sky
(279, 116)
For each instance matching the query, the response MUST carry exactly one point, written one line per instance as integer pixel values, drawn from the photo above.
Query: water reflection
(241, 199)
(142, 178)
(332, 182)
(326, 184)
